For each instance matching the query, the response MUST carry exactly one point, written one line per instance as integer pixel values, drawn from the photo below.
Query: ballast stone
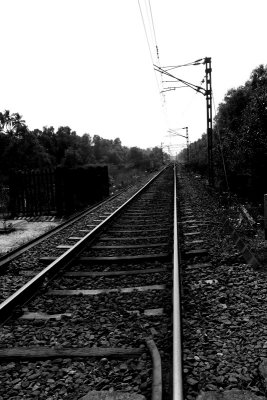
(263, 371)
(106, 395)
(230, 395)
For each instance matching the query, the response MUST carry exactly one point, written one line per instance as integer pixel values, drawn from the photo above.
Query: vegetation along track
(223, 303)
(93, 327)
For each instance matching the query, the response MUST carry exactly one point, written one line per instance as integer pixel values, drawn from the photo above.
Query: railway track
(97, 318)
(100, 314)
(17, 264)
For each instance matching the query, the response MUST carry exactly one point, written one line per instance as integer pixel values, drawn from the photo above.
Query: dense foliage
(22, 148)
(239, 137)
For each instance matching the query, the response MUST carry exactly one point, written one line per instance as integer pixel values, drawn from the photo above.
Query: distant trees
(11, 123)
(19, 147)
(240, 135)
(24, 149)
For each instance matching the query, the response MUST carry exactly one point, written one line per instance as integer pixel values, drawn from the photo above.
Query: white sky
(86, 63)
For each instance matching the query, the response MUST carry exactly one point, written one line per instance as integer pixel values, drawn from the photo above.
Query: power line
(154, 38)
(191, 85)
(150, 24)
(160, 87)
(191, 99)
(196, 62)
(148, 43)
(172, 88)
(153, 26)
(144, 25)
(150, 33)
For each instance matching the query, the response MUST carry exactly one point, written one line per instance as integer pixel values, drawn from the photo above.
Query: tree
(11, 124)
(240, 133)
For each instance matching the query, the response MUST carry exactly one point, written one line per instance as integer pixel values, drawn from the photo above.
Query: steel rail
(26, 292)
(11, 255)
(177, 387)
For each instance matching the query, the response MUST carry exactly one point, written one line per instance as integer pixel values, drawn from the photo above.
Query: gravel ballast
(224, 305)
(13, 276)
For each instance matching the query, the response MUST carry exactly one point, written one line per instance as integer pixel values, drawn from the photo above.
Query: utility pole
(206, 92)
(186, 136)
(187, 144)
(209, 119)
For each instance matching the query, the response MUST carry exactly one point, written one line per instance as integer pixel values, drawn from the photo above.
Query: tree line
(22, 148)
(239, 138)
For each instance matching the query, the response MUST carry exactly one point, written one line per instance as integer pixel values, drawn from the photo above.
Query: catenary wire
(191, 85)
(153, 35)
(150, 24)
(154, 31)
(150, 52)
(162, 95)
(196, 62)
(191, 100)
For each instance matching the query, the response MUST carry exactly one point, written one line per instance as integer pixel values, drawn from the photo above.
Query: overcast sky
(86, 63)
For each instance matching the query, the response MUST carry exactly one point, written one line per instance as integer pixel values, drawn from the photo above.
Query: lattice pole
(187, 143)
(209, 119)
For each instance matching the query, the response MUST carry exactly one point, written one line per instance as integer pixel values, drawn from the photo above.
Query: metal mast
(187, 143)
(209, 119)
(206, 92)
(186, 136)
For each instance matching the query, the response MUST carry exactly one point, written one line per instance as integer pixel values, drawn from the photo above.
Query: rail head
(177, 386)
(13, 254)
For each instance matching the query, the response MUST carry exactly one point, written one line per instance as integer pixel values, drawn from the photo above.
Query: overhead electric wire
(170, 82)
(190, 102)
(159, 69)
(159, 81)
(191, 85)
(196, 62)
(144, 25)
(154, 38)
(150, 25)
(172, 88)
(150, 52)
(154, 31)
(150, 33)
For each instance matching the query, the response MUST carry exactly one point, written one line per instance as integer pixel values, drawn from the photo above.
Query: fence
(4, 200)
(59, 191)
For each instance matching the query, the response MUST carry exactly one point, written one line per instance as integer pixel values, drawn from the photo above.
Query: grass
(24, 232)
(121, 177)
